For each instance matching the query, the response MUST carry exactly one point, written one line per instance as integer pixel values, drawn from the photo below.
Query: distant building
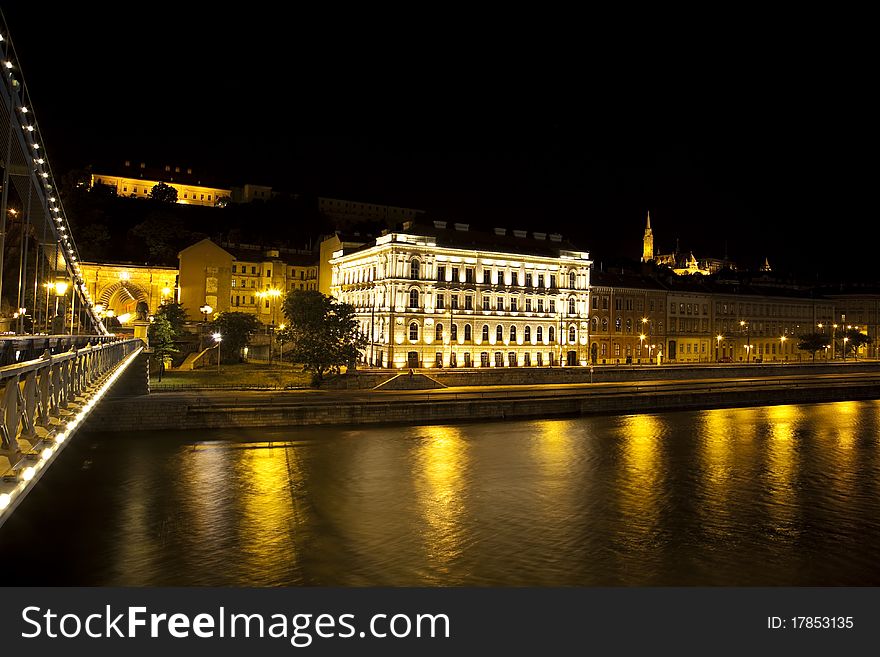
(679, 263)
(346, 212)
(444, 296)
(248, 193)
(243, 278)
(137, 181)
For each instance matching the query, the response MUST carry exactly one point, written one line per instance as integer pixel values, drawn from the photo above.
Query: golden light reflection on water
(718, 439)
(554, 453)
(640, 472)
(439, 471)
(203, 474)
(268, 478)
(782, 465)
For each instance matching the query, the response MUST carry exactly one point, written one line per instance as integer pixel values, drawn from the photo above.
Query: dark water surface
(780, 495)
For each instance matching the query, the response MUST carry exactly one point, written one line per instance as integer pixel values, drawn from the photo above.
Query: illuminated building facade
(243, 278)
(136, 181)
(627, 319)
(444, 296)
(764, 325)
(118, 288)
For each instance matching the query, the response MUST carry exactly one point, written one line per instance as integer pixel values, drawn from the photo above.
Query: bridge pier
(135, 381)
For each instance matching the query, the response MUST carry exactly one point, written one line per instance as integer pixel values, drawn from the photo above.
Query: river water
(779, 495)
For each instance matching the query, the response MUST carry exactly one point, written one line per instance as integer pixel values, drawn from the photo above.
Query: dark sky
(758, 139)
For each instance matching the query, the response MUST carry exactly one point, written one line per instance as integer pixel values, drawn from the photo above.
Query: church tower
(648, 243)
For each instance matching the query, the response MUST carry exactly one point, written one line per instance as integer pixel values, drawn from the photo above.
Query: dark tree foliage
(235, 329)
(812, 342)
(323, 333)
(163, 193)
(174, 314)
(854, 340)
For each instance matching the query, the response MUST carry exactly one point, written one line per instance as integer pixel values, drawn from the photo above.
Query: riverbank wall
(207, 410)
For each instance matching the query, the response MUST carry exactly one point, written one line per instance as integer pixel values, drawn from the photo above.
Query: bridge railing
(44, 399)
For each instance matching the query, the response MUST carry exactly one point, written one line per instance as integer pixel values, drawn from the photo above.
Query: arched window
(551, 334)
(499, 333)
(572, 334)
(467, 332)
(413, 331)
(413, 298)
(485, 332)
(571, 305)
(513, 334)
(572, 279)
(527, 334)
(454, 334)
(438, 332)
(594, 323)
(605, 325)
(540, 334)
(414, 267)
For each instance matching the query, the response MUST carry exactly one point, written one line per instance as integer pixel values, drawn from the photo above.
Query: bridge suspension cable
(27, 176)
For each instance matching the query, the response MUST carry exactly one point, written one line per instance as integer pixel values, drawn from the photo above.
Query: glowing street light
(218, 339)
(641, 344)
(782, 340)
(845, 340)
(718, 339)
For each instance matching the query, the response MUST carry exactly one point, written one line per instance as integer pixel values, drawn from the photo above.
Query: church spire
(648, 242)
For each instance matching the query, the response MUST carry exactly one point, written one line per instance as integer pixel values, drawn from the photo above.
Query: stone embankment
(229, 409)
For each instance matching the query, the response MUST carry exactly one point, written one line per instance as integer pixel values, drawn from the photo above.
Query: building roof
(459, 235)
(248, 253)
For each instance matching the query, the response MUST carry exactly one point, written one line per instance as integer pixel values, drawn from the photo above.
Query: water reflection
(439, 471)
(785, 495)
(640, 476)
(782, 503)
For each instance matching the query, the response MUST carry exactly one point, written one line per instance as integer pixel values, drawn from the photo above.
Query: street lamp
(272, 294)
(833, 330)
(281, 328)
(218, 338)
(718, 339)
(641, 345)
(60, 288)
(744, 324)
(782, 340)
(845, 340)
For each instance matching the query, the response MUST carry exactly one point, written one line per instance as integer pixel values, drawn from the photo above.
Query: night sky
(757, 141)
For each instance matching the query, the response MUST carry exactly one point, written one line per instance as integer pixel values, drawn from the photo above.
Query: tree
(163, 193)
(236, 329)
(323, 333)
(174, 314)
(854, 340)
(161, 338)
(812, 342)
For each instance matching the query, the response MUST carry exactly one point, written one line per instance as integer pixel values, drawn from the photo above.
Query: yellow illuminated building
(445, 296)
(243, 278)
(187, 194)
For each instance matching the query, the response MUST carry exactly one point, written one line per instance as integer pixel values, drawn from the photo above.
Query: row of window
(242, 268)
(527, 279)
(440, 333)
(625, 303)
(763, 310)
(688, 308)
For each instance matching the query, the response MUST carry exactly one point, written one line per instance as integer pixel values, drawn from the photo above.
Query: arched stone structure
(120, 287)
